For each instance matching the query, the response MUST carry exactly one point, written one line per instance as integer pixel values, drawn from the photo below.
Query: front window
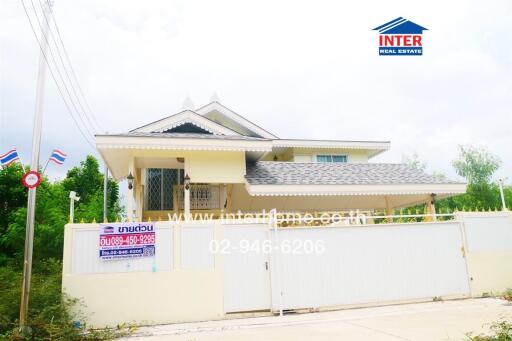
(159, 188)
(331, 158)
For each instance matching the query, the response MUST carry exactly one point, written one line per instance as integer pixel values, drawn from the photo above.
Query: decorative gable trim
(187, 116)
(177, 124)
(216, 106)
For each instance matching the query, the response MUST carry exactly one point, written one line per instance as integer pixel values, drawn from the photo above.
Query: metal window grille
(159, 192)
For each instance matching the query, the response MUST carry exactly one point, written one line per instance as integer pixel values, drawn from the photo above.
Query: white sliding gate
(246, 273)
(380, 263)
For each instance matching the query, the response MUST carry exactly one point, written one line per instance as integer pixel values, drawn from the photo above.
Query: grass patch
(52, 316)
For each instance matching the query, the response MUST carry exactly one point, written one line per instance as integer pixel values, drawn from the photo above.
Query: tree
(12, 194)
(477, 165)
(52, 210)
(415, 162)
(87, 181)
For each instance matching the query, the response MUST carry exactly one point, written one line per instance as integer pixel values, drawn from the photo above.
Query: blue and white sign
(127, 240)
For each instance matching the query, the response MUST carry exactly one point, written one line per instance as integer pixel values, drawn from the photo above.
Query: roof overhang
(343, 190)
(173, 143)
(116, 150)
(374, 147)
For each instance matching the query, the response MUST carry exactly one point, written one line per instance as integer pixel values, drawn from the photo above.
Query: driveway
(448, 320)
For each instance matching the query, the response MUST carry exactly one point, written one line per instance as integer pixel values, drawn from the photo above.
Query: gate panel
(369, 264)
(246, 274)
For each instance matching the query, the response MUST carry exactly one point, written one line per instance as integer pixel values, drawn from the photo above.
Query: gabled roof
(227, 117)
(185, 117)
(400, 26)
(290, 178)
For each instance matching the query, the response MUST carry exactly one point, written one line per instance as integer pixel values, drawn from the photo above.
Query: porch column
(139, 192)
(389, 208)
(186, 197)
(129, 194)
(431, 206)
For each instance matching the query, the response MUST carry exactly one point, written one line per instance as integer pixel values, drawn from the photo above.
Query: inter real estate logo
(400, 37)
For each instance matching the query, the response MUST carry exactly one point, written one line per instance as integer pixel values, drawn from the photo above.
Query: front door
(246, 269)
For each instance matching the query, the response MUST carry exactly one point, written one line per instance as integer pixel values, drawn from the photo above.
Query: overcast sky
(306, 69)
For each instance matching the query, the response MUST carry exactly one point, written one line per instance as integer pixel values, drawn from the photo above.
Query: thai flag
(9, 157)
(58, 157)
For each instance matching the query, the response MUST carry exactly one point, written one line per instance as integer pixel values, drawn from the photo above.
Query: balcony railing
(202, 196)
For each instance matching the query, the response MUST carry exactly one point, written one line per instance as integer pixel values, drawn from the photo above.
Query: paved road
(431, 321)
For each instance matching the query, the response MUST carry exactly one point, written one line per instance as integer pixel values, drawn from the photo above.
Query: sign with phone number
(126, 240)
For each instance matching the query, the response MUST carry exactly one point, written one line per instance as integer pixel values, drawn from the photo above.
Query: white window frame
(330, 154)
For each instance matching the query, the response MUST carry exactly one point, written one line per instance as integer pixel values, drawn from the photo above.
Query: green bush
(52, 316)
(500, 331)
(508, 295)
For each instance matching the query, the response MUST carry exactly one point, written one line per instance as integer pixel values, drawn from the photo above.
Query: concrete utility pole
(34, 165)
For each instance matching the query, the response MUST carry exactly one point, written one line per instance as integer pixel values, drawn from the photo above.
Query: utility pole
(34, 165)
(105, 193)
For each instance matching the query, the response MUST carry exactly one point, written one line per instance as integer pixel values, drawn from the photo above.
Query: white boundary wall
(488, 244)
(361, 265)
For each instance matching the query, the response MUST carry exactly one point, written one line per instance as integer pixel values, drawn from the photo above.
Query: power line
(45, 36)
(83, 111)
(54, 79)
(73, 73)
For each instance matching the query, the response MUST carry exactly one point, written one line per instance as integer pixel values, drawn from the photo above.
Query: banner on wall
(126, 240)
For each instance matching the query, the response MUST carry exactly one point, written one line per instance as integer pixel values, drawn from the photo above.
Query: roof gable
(186, 118)
(187, 128)
(228, 118)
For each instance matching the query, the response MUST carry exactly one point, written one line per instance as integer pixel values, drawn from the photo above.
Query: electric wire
(71, 98)
(89, 111)
(55, 79)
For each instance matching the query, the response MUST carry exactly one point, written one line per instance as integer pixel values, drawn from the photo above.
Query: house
(214, 160)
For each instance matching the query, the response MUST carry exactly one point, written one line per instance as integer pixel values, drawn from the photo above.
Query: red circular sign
(31, 179)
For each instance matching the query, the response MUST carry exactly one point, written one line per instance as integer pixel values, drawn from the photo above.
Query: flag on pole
(9, 157)
(58, 157)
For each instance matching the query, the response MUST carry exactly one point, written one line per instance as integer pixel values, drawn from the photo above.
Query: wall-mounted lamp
(130, 179)
(187, 182)
(433, 198)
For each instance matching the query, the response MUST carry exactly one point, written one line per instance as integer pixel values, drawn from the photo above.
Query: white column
(186, 203)
(389, 208)
(129, 194)
(431, 207)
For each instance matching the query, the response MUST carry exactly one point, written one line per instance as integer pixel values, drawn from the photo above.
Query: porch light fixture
(180, 159)
(187, 182)
(130, 179)
(433, 198)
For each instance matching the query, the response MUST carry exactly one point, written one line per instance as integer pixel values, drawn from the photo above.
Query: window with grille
(331, 158)
(159, 188)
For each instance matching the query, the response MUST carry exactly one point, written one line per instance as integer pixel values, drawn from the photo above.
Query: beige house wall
(308, 154)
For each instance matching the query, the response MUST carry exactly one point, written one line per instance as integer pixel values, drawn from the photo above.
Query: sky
(300, 69)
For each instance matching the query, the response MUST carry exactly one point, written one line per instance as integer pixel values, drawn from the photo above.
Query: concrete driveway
(448, 320)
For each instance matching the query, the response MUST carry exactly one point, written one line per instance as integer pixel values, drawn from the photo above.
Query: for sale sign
(127, 240)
